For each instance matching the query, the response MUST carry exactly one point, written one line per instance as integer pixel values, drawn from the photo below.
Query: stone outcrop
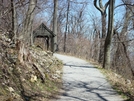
(26, 73)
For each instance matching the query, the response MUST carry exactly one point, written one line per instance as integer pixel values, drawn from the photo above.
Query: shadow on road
(83, 66)
(83, 82)
(97, 93)
(71, 86)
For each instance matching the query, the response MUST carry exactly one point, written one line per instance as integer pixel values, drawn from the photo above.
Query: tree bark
(65, 35)
(55, 24)
(14, 21)
(102, 9)
(106, 63)
(27, 31)
(102, 38)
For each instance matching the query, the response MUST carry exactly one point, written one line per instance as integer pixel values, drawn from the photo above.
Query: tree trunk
(102, 38)
(102, 10)
(106, 63)
(27, 31)
(14, 21)
(65, 35)
(55, 24)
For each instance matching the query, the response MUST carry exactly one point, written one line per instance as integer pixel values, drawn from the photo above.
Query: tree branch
(123, 5)
(100, 4)
(106, 5)
(121, 41)
(95, 4)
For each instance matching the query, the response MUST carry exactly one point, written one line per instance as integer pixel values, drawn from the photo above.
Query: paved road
(83, 82)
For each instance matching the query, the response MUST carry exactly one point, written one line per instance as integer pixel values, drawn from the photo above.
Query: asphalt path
(83, 82)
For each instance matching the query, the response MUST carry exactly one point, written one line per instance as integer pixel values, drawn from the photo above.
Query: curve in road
(83, 82)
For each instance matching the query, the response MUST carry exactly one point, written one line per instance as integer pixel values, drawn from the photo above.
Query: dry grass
(124, 87)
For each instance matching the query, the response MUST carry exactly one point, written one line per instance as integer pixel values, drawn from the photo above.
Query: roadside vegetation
(123, 86)
(34, 77)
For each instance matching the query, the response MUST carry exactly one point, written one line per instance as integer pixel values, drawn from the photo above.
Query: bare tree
(107, 51)
(27, 30)
(102, 9)
(122, 53)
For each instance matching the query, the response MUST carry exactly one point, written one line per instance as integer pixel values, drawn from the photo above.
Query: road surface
(83, 82)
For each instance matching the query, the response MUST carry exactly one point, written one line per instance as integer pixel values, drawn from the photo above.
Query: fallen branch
(42, 75)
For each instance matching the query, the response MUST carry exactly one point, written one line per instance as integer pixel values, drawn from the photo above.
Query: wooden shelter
(43, 32)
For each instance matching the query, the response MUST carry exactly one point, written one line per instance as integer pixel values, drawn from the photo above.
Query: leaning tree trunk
(27, 31)
(107, 51)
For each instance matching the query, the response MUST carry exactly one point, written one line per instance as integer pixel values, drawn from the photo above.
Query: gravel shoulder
(83, 82)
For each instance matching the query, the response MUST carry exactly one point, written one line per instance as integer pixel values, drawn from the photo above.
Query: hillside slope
(36, 78)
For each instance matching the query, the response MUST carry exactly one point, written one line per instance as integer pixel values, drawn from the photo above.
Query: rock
(50, 53)
(45, 53)
(55, 76)
(10, 68)
(58, 72)
(33, 78)
(23, 79)
(15, 95)
(10, 89)
(128, 82)
(19, 70)
(12, 45)
(116, 75)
